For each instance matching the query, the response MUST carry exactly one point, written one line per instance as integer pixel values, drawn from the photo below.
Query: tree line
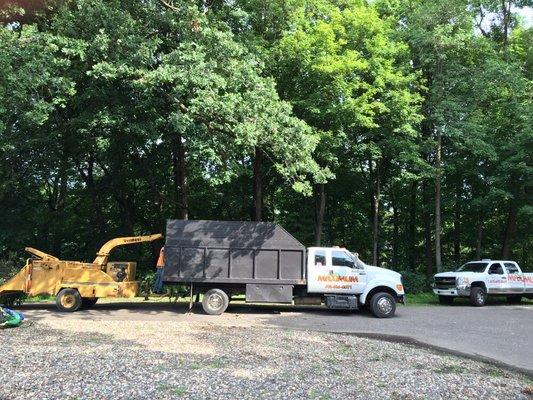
(399, 129)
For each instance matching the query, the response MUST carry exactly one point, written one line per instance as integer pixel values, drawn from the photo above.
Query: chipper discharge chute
(77, 284)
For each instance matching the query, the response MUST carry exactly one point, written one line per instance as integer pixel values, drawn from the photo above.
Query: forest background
(400, 129)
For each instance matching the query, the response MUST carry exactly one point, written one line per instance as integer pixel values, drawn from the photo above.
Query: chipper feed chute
(17, 284)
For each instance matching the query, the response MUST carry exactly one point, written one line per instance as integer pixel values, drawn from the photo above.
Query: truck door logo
(337, 278)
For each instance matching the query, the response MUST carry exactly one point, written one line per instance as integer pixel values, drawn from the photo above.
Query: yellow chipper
(77, 284)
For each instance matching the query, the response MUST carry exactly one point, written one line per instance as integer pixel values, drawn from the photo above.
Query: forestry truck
(261, 260)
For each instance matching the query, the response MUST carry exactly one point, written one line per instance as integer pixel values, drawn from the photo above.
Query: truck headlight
(462, 283)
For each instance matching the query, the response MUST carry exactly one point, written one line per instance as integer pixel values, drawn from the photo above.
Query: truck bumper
(452, 292)
(401, 298)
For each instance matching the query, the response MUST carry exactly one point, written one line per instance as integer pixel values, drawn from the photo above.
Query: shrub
(415, 283)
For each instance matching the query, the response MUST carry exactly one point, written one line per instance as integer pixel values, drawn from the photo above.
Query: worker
(158, 284)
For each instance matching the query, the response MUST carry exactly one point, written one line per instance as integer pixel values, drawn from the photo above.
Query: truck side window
(511, 268)
(496, 268)
(341, 259)
(320, 258)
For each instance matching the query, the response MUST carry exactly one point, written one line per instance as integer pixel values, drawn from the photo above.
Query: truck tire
(383, 305)
(68, 300)
(446, 300)
(478, 296)
(514, 299)
(88, 302)
(215, 302)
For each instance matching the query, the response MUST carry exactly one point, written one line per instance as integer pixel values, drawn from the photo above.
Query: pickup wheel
(383, 305)
(514, 299)
(446, 300)
(68, 300)
(478, 296)
(215, 302)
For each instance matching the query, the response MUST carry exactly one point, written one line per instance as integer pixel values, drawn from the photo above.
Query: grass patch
(180, 391)
(382, 357)
(176, 390)
(421, 299)
(492, 372)
(450, 369)
(431, 299)
(316, 395)
(39, 299)
(214, 364)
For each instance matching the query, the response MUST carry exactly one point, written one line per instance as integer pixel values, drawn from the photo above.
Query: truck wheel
(514, 299)
(446, 300)
(215, 302)
(383, 305)
(478, 296)
(88, 302)
(68, 300)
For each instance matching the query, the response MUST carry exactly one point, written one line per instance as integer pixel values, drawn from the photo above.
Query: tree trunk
(457, 221)
(479, 237)
(320, 209)
(98, 220)
(427, 230)
(510, 229)
(506, 20)
(438, 259)
(374, 200)
(257, 185)
(179, 169)
(396, 233)
(412, 227)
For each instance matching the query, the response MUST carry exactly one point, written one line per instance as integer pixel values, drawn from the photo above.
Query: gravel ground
(74, 359)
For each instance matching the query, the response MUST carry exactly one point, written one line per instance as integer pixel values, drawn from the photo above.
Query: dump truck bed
(232, 252)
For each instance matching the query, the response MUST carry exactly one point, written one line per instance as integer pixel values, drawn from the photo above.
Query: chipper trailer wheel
(68, 300)
(215, 302)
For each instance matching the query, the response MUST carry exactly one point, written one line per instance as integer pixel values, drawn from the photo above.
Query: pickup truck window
(473, 267)
(496, 268)
(511, 268)
(320, 258)
(341, 259)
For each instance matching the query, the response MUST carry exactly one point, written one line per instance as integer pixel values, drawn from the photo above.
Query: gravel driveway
(124, 359)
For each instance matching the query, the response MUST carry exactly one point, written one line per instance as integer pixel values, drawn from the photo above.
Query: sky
(527, 15)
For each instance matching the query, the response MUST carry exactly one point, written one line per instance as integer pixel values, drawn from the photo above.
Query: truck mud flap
(265, 293)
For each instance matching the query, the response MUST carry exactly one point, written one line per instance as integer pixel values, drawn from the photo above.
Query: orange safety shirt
(161, 259)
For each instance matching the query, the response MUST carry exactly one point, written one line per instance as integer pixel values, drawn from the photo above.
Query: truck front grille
(444, 283)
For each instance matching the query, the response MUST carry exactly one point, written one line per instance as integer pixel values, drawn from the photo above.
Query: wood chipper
(77, 284)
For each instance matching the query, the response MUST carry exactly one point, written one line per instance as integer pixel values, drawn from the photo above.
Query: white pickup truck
(479, 279)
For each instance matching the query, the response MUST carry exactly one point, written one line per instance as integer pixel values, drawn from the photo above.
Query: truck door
(334, 271)
(497, 279)
(515, 278)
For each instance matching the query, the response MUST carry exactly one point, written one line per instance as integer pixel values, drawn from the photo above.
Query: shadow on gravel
(153, 309)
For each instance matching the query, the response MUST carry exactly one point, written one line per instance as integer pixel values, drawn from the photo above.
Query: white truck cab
(479, 279)
(347, 282)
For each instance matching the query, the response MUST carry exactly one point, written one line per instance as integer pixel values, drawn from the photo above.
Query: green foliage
(415, 283)
(117, 115)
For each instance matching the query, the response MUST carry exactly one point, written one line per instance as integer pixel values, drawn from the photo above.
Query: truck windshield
(473, 267)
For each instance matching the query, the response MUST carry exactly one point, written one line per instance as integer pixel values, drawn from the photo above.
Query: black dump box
(232, 252)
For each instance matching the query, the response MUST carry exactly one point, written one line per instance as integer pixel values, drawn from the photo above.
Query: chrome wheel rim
(480, 297)
(385, 305)
(215, 301)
